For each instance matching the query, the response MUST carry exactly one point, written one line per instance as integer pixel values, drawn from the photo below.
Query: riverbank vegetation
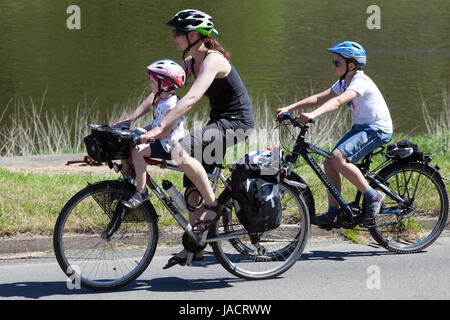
(30, 130)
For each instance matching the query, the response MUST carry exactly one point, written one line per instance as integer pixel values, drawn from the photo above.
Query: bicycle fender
(296, 181)
(295, 184)
(151, 209)
(147, 203)
(437, 170)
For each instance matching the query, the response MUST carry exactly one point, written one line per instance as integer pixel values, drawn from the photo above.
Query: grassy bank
(30, 203)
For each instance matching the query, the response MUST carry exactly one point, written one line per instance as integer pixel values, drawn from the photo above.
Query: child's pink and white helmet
(168, 73)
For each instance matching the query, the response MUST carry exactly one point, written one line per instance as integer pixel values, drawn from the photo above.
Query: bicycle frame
(301, 148)
(173, 209)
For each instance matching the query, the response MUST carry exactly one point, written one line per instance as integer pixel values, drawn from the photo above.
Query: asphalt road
(327, 270)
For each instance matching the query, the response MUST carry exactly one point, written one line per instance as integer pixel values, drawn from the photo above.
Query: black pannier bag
(255, 184)
(404, 150)
(106, 143)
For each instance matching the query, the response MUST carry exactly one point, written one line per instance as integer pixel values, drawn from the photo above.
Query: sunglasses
(336, 63)
(176, 33)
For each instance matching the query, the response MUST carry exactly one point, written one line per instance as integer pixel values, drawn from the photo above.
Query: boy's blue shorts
(361, 140)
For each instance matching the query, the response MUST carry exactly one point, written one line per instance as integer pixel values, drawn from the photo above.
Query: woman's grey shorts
(208, 145)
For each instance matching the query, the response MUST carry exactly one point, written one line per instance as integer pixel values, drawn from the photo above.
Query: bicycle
(116, 244)
(414, 212)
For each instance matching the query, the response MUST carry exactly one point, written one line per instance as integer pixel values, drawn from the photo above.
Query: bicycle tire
(418, 229)
(92, 261)
(239, 257)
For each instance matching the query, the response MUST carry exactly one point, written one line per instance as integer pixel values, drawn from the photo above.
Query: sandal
(203, 225)
(136, 200)
(182, 261)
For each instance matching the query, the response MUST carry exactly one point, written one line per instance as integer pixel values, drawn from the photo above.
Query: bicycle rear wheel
(82, 249)
(279, 248)
(404, 230)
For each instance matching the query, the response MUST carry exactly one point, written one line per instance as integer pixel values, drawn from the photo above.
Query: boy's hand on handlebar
(306, 117)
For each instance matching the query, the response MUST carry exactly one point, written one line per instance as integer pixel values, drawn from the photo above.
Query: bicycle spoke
(103, 263)
(409, 229)
(274, 251)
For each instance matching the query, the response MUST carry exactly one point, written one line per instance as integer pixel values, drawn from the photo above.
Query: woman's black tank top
(229, 99)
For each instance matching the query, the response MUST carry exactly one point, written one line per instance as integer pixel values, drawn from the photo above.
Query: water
(278, 48)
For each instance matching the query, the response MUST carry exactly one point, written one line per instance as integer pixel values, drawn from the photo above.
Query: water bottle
(175, 195)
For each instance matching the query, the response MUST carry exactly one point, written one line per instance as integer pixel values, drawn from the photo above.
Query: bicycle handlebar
(294, 121)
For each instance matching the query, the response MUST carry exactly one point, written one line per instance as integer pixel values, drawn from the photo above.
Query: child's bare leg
(127, 164)
(138, 154)
(349, 171)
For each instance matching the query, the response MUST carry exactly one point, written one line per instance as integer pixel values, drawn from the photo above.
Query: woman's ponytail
(213, 44)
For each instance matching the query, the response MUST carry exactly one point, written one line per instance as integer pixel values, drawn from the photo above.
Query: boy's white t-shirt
(163, 107)
(369, 108)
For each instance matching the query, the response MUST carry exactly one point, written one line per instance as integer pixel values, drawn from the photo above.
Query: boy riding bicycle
(372, 125)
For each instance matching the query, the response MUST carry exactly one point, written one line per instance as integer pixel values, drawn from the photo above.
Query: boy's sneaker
(373, 207)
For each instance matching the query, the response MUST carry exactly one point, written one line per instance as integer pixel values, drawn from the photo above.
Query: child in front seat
(164, 77)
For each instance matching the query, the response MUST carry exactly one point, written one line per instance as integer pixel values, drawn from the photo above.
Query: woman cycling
(231, 109)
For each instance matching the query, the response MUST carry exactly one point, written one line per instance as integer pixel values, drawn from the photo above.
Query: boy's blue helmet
(351, 50)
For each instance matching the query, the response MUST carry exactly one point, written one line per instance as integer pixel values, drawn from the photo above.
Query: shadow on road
(341, 256)
(36, 290)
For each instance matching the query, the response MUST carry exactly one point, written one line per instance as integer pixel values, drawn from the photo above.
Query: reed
(30, 130)
(438, 128)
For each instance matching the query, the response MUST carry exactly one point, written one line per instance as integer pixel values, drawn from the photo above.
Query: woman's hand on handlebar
(147, 138)
(126, 122)
(280, 111)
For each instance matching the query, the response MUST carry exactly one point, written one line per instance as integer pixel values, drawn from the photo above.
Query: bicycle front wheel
(411, 229)
(84, 251)
(276, 250)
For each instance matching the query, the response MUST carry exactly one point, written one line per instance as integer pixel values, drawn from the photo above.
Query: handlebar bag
(106, 143)
(255, 184)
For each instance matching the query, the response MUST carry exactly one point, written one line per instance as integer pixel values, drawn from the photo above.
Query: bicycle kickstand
(190, 255)
(189, 258)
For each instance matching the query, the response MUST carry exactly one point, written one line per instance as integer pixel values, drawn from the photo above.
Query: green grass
(30, 203)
